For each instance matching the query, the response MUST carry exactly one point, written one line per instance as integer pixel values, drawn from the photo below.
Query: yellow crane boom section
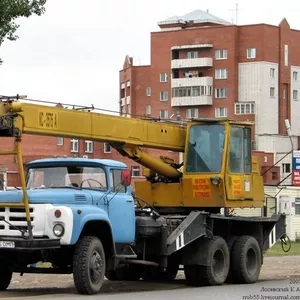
(56, 121)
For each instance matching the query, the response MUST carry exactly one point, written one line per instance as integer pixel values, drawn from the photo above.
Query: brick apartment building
(203, 66)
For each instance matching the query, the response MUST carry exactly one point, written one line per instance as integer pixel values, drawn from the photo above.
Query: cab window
(240, 151)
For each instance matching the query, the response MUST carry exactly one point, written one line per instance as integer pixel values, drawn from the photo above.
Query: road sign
(296, 168)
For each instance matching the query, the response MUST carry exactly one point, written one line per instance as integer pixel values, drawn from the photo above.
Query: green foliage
(10, 10)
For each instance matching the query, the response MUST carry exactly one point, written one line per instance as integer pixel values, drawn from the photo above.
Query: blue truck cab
(72, 201)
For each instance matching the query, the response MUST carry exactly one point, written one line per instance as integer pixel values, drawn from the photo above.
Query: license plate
(7, 244)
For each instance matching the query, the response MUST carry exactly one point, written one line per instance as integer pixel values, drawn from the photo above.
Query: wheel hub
(96, 267)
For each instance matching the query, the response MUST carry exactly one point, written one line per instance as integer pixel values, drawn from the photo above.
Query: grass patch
(276, 250)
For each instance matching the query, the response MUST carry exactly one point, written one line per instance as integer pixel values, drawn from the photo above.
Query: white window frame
(89, 146)
(74, 145)
(221, 54)
(221, 112)
(244, 108)
(163, 96)
(148, 91)
(221, 93)
(60, 141)
(192, 54)
(105, 146)
(295, 75)
(192, 113)
(272, 92)
(297, 203)
(272, 73)
(135, 171)
(251, 53)
(163, 77)
(295, 95)
(221, 74)
(148, 109)
(163, 114)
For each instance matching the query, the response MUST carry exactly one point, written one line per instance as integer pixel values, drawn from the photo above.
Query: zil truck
(80, 214)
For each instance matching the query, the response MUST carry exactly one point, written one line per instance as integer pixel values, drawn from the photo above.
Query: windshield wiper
(66, 187)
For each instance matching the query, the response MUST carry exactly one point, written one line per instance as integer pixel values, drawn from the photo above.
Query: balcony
(193, 81)
(203, 62)
(191, 101)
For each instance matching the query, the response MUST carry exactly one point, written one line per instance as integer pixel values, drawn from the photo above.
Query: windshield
(205, 149)
(66, 176)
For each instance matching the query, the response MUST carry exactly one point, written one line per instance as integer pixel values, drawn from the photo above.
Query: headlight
(58, 230)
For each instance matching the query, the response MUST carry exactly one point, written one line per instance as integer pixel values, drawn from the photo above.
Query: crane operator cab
(218, 171)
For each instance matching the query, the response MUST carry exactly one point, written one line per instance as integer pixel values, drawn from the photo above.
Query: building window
(286, 168)
(297, 206)
(148, 109)
(107, 148)
(286, 55)
(89, 146)
(274, 176)
(194, 91)
(295, 95)
(135, 171)
(272, 72)
(221, 111)
(60, 141)
(163, 114)
(221, 74)
(148, 91)
(163, 77)
(192, 54)
(221, 54)
(163, 96)
(221, 93)
(283, 93)
(251, 53)
(295, 75)
(244, 108)
(272, 92)
(74, 145)
(192, 113)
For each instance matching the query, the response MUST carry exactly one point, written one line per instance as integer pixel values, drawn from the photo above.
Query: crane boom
(126, 135)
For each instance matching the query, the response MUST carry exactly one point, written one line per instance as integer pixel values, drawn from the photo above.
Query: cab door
(239, 178)
(121, 209)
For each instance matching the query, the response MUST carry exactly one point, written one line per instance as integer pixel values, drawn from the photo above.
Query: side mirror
(126, 177)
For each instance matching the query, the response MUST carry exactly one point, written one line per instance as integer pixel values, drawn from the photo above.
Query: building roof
(196, 16)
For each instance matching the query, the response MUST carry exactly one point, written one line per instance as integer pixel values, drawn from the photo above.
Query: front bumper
(15, 244)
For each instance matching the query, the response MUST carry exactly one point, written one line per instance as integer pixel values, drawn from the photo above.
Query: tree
(10, 10)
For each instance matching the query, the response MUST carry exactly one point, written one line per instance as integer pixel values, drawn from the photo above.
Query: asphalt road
(179, 291)
(277, 272)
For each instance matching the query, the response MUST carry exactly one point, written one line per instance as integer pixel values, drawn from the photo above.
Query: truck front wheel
(89, 265)
(5, 277)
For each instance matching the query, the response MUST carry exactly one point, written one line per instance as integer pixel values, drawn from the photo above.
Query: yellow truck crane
(80, 214)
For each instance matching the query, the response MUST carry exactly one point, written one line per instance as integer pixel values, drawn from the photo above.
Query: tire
(230, 243)
(215, 270)
(245, 260)
(5, 277)
(89, 265)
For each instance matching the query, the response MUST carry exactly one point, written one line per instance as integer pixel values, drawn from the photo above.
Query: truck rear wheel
(89, 265)
(216, 267)
(5, 277)
(245, 260)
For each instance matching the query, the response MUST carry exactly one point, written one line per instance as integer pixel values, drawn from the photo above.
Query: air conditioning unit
(85, 156)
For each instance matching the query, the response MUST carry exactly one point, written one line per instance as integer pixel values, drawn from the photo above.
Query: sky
(73, 53)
